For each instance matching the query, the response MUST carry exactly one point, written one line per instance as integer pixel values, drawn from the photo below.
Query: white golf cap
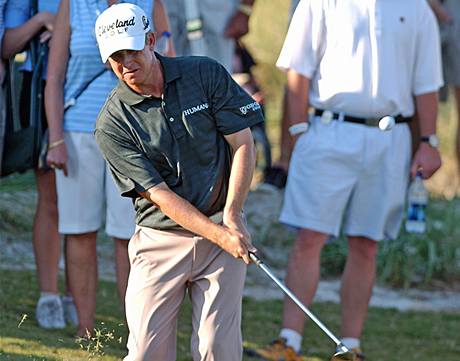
(121, 27)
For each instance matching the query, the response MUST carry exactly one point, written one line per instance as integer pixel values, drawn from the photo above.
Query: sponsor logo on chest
(196, 108)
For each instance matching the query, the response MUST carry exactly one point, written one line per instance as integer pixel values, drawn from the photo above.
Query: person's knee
(218, 347)
(310, 241)
(363, 247)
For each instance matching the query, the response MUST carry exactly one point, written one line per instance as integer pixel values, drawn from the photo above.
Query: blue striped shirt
(85, 63)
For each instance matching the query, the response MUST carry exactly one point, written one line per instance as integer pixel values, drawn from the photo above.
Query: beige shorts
(166, 264)
(88, 196)
(352, 172)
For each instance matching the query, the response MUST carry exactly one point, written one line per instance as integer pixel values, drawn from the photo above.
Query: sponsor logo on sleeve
(249, 107)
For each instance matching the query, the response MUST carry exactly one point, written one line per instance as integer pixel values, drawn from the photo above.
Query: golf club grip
(293, 297)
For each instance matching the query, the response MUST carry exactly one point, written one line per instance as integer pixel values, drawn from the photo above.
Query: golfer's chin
(131, 78)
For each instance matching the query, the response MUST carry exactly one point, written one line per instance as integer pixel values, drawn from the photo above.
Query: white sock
(351, 342)
(46, 295)
(293, 338)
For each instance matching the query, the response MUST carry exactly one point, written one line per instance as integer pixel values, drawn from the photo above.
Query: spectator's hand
(46, 20)
(237, 26)
(427, 159)
(45, 36)
(57, 158)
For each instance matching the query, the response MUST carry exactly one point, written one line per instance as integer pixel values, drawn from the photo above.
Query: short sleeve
(232, 107)
(17, 12)
(428, 64)
(304, 41)
(131, 170)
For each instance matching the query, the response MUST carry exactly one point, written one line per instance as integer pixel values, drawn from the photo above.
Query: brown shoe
(359, 354)
(277, 350)
(355, 355)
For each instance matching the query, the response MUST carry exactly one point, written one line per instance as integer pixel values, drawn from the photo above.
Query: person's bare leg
(302, 275)
(122, 267)
(357, 282)
(285, 138)
(457, 96)
(45, 236)
(82, 272)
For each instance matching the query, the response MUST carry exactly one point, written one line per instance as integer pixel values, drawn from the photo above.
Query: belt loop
(341, 116)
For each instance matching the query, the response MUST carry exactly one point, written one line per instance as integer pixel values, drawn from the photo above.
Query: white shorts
(88, 195)
(348, 171)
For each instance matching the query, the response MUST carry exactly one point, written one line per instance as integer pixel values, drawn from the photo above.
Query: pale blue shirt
(85, 63)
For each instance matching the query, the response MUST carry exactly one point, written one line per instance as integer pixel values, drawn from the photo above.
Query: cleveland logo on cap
(118, 26)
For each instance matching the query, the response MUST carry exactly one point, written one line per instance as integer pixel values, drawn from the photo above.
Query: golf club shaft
(293, 297)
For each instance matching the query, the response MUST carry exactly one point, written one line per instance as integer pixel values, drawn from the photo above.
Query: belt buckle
(372, 122)
(327, 117)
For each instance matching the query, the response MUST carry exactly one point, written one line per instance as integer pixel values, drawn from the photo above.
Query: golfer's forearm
(240, 178)
(183, 212)
(427, 112)
(298, 88)
(15, 39)
(242, 169)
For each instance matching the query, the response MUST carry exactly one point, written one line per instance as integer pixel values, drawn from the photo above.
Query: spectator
(2, 76)
(78, 83)
(178, 143)
(344, 164)
(209, 27)
(448, 14)
(276, 175)
(21, 28)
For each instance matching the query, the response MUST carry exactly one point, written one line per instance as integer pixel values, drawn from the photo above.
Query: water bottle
(162, 45)
(417, 200)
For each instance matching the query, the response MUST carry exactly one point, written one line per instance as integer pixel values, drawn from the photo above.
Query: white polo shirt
(366, 58)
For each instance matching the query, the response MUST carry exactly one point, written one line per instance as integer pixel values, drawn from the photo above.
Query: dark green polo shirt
(177, 139)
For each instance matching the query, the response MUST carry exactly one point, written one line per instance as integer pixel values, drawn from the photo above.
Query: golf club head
(344, 355)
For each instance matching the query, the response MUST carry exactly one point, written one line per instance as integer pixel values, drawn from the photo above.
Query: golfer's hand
(235, 243)
(57, 158)
(427, 159)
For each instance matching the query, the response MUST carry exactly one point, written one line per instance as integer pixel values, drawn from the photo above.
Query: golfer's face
(132, 66)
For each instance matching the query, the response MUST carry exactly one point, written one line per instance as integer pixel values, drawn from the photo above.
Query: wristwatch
(298, 128)
(432, 140)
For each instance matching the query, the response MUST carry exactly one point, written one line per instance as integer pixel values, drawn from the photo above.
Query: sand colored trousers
(166, 264)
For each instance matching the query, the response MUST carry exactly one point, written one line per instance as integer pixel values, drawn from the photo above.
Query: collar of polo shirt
(170, 72)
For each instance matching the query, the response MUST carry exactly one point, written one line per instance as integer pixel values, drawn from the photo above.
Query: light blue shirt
(85, 63)
(18, 12)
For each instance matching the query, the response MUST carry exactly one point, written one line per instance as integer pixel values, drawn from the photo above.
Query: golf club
(344, 353)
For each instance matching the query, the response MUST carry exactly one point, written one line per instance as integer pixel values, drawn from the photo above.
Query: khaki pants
(163, 266)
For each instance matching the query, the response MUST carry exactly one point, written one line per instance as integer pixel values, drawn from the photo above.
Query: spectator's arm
(239, 23)
(297, 97)
(54, 90)
(440, 11)
(16, 39)
(161, 24)
(426, 157)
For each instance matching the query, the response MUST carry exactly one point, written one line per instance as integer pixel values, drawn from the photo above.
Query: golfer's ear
(151, 39)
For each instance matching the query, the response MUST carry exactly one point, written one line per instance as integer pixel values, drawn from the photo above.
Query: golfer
(175, 132)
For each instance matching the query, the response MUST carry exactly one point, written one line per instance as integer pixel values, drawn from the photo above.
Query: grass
(389, 335)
